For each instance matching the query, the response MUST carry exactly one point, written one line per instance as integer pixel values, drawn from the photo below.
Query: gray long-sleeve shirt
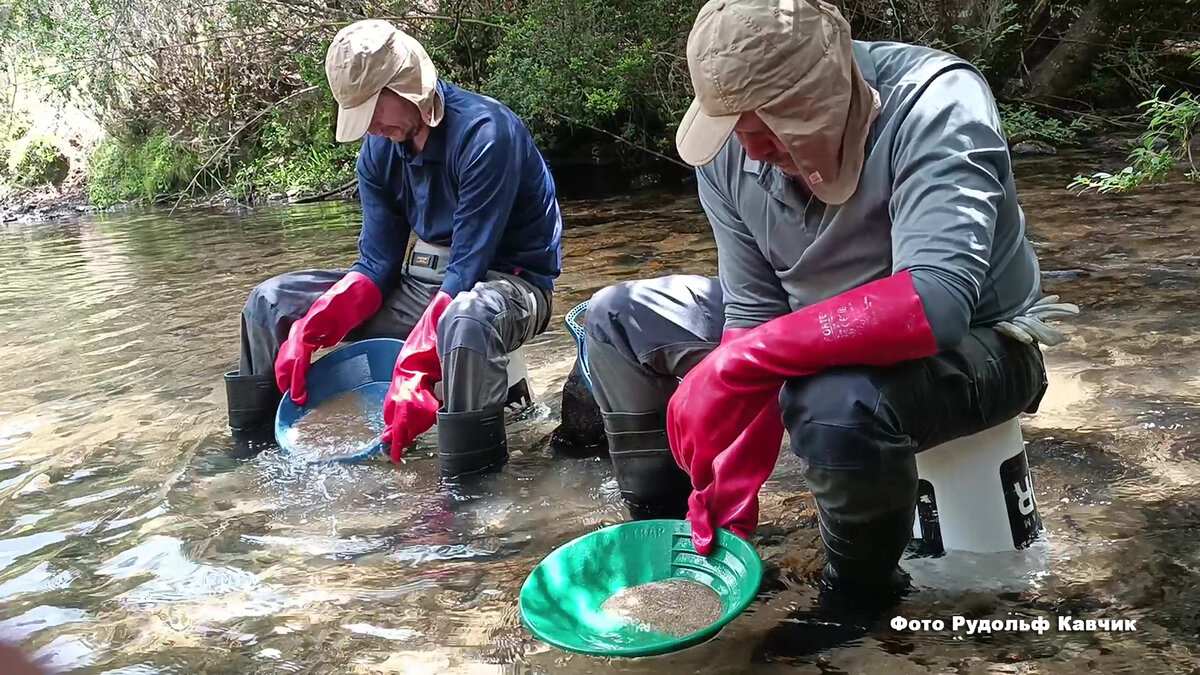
(936, 197)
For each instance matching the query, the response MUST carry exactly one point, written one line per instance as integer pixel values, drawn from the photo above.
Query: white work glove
(1029, 327)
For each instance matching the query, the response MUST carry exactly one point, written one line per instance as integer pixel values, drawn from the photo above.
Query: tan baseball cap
(792, 63)
(367, 56)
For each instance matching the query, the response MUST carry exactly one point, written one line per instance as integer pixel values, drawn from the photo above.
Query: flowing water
(131, 542)
(340, 427)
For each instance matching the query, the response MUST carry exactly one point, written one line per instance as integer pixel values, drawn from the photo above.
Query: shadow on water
(130, 542)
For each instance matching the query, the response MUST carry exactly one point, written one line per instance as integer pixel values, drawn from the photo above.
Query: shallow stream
(130, 542)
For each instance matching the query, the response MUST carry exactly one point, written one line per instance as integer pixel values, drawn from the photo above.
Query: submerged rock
(1124, 142)
(1065, 274)
(581, 433)
(1033, 148)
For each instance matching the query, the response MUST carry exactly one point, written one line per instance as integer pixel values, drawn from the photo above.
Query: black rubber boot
(652, 484)
(472, 442)
(519, 395)
(861, 560)
(853, 601)
(251, 402)
(855, 596)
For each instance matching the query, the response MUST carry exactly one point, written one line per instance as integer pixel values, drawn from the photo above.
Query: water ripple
(132, 542)
(37, 619)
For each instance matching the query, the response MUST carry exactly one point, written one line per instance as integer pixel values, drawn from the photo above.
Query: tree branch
(626, 141)
(325, 195)
(269, 31)
(232, 137)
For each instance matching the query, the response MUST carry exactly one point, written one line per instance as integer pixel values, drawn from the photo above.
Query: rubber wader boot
(860, 569)
(251, 401)
(652, 484)
(471, 442)
(519, 394)
(855, 597)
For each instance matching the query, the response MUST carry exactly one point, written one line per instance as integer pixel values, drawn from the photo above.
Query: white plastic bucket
(516, 367)
(976, 493)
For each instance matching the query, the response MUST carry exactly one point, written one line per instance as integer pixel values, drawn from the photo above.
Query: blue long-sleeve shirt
(479, 185)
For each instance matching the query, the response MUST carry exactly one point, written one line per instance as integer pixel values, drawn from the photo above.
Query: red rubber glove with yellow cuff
(411, 406)
(723, 422)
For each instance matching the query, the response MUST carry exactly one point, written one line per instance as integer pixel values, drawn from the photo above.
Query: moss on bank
(137, 170)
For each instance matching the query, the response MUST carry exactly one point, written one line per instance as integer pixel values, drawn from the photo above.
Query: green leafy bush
(138, 170)
(1166, 147)
(610, 66)
(1023, 123)
(36, 161)
(296, 153)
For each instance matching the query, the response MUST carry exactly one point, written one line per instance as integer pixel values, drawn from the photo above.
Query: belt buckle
(422, 259)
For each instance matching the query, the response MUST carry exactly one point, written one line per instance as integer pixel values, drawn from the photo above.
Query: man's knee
(859, 464)
(263, 299)
(639, 318)
(606, 310)
(836, 420)
(287, 296)
(642, 305)
(467, 322)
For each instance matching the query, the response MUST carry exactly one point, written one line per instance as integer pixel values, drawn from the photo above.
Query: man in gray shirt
(876, 294)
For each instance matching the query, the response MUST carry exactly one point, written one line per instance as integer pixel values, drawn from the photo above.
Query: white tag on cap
(814, 178)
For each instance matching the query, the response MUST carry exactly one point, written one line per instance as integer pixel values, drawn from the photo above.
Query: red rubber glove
(411, 407)
(351, 301)
(716, 420)
(736, 498)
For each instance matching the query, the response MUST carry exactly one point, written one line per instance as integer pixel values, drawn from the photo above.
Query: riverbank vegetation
(226, 99)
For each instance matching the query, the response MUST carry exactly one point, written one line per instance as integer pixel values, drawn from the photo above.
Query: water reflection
(131, 543)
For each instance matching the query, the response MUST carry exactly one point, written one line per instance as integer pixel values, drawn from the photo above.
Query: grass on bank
(293, 152)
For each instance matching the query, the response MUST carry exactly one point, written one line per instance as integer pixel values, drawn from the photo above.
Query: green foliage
(138, 170)
(1166, 147)
(202, 80)
(296, 153)
(14, 127)
(6, 142)
(36, 160)
(595, 63)
(293, 152)
(50, 32)
(983, 43)
(1023, 123)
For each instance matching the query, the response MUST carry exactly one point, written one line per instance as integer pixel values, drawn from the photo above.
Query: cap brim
(352, 123)
(701, 136)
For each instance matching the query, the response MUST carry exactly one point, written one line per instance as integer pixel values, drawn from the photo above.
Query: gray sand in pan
(676, 607)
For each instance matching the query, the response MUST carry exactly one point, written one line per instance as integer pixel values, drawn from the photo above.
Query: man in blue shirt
(459, 171)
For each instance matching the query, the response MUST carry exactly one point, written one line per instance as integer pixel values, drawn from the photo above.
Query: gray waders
(856, 429)
(475, 335)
